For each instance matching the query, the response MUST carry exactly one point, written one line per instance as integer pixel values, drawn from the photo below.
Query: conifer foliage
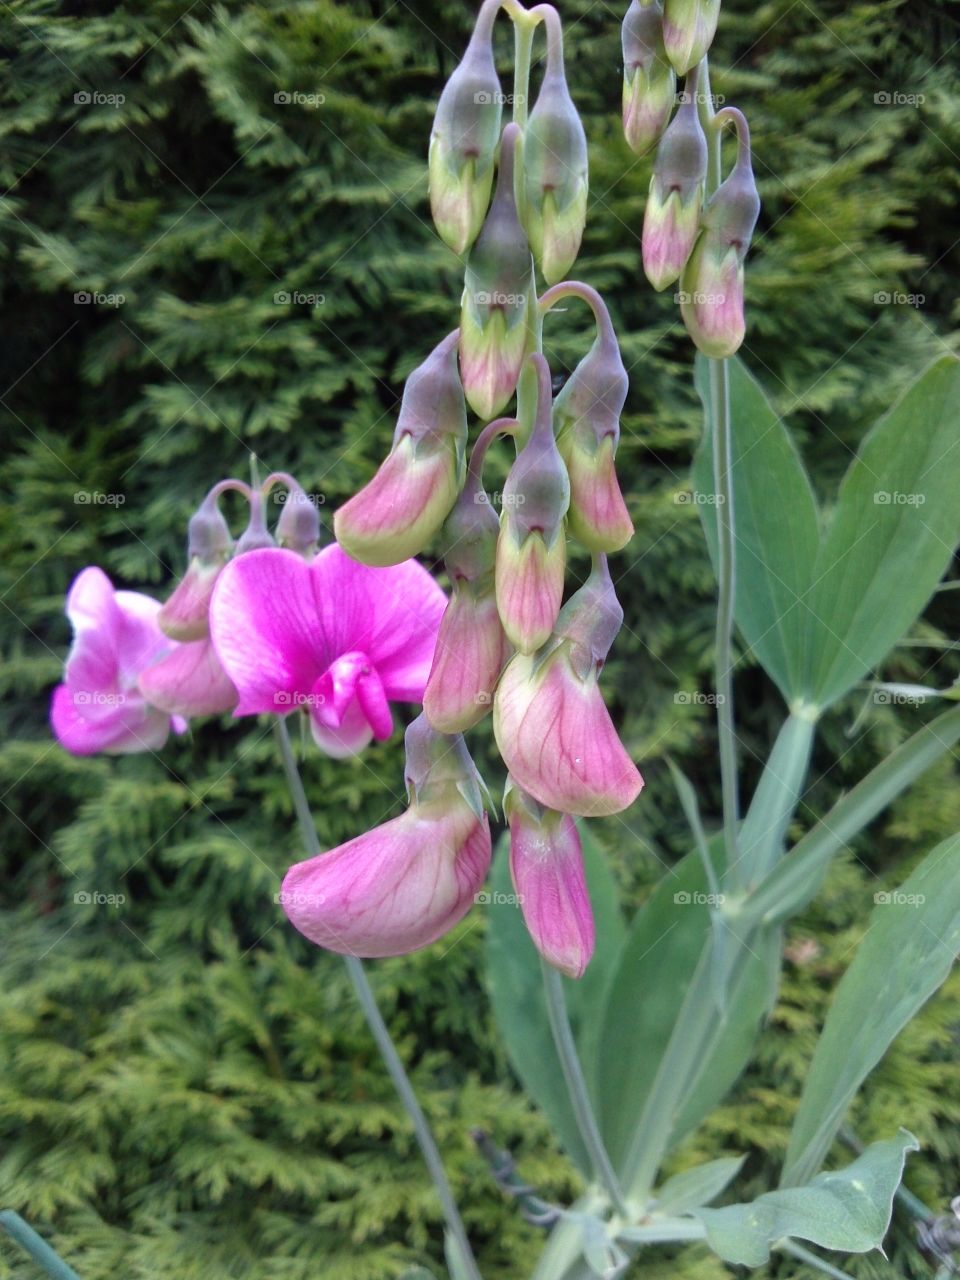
(214, 239)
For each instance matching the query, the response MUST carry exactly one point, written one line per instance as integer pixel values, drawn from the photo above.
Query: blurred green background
(188, 1092)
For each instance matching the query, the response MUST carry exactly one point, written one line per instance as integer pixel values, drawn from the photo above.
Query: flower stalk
(378, 1028)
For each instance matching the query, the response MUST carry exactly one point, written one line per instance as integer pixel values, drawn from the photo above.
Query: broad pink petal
(119, 728)
(267, 631)
(394, 889)
(189, 682)
(391, 614)
(546, 864)
(558, 741)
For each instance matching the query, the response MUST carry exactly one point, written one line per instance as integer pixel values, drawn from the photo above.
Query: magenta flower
(338, 638)
(546, 866)
(99, 706)
(400, 886)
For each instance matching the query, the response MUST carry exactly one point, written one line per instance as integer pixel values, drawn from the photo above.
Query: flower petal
(189, 682)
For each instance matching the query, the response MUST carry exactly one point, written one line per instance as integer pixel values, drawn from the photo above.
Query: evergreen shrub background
(188, 1092)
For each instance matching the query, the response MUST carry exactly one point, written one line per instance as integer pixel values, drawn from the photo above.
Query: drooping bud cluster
(700, 242)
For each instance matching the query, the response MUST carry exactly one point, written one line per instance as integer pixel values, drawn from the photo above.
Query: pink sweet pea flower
(338, 638)
(99, 707)
(402, 885)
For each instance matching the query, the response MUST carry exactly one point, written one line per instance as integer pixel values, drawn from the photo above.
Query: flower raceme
(402, 885)
(549, 719)
(99, 706)
(340, 639)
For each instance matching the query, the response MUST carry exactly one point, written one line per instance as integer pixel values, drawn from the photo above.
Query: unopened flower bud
(299, 525)
(586, 414)
(403, 507)
(184, 615)
(531, 549)
(497, 310)
(463, 143)
(551, 725)
(402, 885)
(649, 80)
(672, 215)
(546, 866)
(711, 287)
(554, 167)
(256, 536)
(688, 30)
(471, 646)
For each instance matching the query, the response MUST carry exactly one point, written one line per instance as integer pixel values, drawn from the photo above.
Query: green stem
(577, 1087)
(36, 1246)
(378, 1027)
(524, 26)
(811, 1259)
(777, 795)
(722, 431)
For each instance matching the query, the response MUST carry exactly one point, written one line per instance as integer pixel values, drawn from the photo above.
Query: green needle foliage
(188, 1091)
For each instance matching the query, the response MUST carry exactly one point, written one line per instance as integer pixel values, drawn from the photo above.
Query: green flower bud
(688, 30)
(499, 298)
(463, 143)
(554, 168)
(649, 80)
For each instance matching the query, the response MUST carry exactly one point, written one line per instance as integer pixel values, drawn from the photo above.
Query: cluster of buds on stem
(689, 235)
(506, 642)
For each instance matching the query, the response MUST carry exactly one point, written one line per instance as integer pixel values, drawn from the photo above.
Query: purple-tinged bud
(471, 645)
(586, 415)
(463, 143)
(403, 507)
(299, 525)
(688, 30)
(402, 885)
(546, 866)
(184, 615)
(499, 298)
(256, 536)
(549, 719)
(649, 80)
(531, 549)
(554, 167)
(711, 287)
(672, 216)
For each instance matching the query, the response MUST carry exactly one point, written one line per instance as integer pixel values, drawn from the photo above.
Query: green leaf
(893, 533)
(516, 990)
(849, 1210)
(776, 524)
(796, 879)
(906, 955)
(697, 1186)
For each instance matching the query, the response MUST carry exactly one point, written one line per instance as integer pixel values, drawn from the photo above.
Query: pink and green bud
(299, 525)
(649, 80)
(184, 615)
(463, 143)
(549, 719)
(586, 415)
(499, 298)
(672, 216)
(403, 507)
(546, 866)
(554, 167)
(471, 646)
(531, 548)
(688, 30)
(402, 885)
(711, 287)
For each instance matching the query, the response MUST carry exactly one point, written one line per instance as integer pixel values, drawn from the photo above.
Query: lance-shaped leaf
(776, 523)
(906, 955)
(849, 1210)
